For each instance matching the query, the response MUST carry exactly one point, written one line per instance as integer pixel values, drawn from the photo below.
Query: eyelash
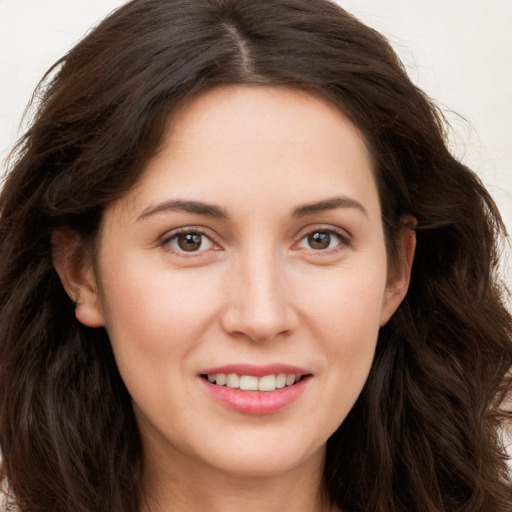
(343, 237)
(167, 240)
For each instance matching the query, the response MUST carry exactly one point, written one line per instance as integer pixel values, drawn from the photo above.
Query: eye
(320, 240)
(189, 241)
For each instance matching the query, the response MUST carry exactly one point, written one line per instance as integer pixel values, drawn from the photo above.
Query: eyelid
(164, 240)
(345, 237)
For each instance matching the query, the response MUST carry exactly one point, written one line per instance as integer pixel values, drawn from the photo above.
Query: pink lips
(256, 402)
(257, 371)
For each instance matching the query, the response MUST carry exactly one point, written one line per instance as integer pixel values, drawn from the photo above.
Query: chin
(262, 458)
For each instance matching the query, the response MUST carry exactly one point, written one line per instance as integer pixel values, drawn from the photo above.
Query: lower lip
(256, 402)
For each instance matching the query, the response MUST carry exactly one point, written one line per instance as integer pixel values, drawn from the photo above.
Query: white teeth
(281, 380)
(248, 383)
(232, 380)
(252, 383)
(267, 383)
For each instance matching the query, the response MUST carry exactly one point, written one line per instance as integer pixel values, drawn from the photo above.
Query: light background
(458, 51)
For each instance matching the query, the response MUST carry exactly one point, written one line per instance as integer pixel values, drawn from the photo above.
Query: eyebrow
(210, 210)
(195, 207)
(328, 204)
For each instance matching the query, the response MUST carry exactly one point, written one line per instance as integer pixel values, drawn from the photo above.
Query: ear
(398, 282)
(77, 275)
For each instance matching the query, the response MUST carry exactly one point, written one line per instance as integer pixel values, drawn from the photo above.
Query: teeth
(232, 380)
(252, 383)
(267, 383)
(248, 383)
(290, 380)
(281, 380)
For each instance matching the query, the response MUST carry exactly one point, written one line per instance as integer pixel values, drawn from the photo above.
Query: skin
(256, 291)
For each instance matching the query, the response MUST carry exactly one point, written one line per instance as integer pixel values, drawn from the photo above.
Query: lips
(253, 383)
(253, 389)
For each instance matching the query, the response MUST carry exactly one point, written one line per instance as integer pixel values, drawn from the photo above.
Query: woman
(241, 271)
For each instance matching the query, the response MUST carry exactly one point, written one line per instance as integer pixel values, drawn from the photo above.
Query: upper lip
(257, 370)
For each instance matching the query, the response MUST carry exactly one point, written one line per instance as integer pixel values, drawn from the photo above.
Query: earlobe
(77, 276)
(398, 284)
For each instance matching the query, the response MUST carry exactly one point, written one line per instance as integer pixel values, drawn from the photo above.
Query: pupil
(189, 241)
(319, 240)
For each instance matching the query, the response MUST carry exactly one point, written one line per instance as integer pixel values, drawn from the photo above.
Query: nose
(259, 302)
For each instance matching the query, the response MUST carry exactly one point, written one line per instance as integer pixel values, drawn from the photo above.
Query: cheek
(350, 353)
(343, 315)
(347, 302)
(156, 312)
(351, 331)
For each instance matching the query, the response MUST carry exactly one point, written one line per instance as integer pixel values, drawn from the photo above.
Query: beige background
(458, 51)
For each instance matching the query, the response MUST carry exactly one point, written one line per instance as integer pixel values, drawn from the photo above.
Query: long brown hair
(425, 433)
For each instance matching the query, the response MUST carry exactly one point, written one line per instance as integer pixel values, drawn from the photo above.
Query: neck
(174, 485)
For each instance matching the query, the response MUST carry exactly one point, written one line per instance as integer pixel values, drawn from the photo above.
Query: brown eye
(190, 241)
(321, 240)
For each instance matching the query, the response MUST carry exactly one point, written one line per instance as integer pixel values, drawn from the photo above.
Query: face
(251, 255)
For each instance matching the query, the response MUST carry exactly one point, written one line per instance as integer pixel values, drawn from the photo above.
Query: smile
(252, 382)
(250, 389)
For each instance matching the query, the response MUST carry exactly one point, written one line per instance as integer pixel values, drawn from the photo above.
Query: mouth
(265, 383)
(256, 390)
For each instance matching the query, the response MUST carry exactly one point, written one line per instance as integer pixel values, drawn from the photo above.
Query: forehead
(260, 144)
(251, 118)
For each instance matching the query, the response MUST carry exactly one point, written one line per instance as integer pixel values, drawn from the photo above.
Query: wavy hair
(424, 434)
